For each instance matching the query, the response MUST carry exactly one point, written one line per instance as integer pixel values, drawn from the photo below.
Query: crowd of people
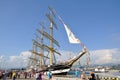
(14, 75)
(91, 77)
(38, 75)
(23, 75)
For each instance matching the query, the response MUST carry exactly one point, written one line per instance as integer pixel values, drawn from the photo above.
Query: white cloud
(105, 56)
(13, 58)
(25, 54)
(1, 57)
(15, 61)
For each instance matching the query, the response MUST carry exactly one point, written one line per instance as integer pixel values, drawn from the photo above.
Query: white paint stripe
(60, 71)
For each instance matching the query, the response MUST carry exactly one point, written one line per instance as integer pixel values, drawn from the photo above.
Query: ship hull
(58, 69)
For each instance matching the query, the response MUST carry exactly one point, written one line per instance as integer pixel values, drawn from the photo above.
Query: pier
(73, 78)
(44, 77)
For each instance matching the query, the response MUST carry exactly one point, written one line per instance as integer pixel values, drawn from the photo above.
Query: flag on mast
(72, 38)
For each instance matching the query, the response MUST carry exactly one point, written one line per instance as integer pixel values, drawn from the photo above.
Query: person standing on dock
(25, 75)
(49, 74)
(40, 76)
(92, 76)
(97, 77)
(14, 75)
(4, 75)
(37, 75)
(83, 76)
(76, 73)
(18, 73)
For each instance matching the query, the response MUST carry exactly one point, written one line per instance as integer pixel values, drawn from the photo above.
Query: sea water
(110, 74)
(72, 73)
(106, 74)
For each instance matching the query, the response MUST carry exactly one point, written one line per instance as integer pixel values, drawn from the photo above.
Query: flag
(71, 36)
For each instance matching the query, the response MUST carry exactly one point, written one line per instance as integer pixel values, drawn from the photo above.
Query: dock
(44, 77)
(73, 78)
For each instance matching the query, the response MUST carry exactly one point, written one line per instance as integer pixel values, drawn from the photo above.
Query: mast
(52, 40)
(51, 34)
(34, 48)
(51, 45)
(33, 60)
(41, 48)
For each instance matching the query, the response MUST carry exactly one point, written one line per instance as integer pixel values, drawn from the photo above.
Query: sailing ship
(55, 68)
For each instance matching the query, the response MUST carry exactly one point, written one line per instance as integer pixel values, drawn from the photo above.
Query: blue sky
(95, 22)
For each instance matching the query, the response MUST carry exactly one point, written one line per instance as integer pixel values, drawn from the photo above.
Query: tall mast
(33, 60)
(41, 48)
(35, 48)
(34, 56)
(51, 41)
